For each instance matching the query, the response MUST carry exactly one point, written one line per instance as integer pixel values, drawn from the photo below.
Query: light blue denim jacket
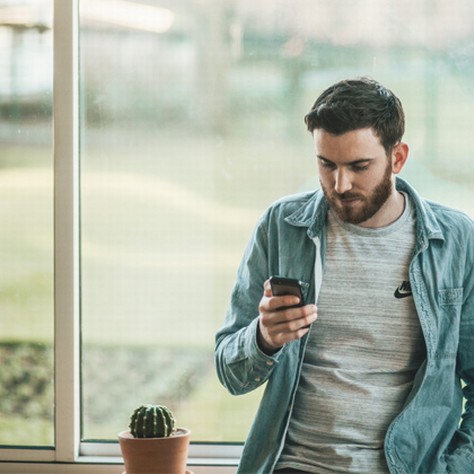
(289, 240)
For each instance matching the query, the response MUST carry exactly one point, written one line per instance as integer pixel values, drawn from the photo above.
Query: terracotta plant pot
(155, 455)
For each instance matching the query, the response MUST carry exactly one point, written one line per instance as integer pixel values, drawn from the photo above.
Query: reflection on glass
(191, 125)
(26, 215)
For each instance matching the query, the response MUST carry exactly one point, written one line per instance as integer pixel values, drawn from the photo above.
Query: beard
(367, 206)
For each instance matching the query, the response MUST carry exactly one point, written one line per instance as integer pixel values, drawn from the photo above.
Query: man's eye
(327, 164)
(360, 167)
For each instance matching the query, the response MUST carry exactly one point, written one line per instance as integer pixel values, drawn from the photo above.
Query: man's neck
(390, 211)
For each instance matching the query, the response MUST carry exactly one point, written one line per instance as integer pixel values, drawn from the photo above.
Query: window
(26, 214)
(163, 222)
(175, 124)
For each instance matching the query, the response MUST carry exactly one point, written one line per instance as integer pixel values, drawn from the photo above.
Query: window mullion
(66, 232)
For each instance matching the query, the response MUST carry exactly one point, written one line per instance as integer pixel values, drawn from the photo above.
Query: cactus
(152, 421)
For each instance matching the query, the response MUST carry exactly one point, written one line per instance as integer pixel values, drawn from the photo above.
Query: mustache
(346, 195)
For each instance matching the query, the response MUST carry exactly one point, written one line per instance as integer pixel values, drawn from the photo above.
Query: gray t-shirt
(362, 353)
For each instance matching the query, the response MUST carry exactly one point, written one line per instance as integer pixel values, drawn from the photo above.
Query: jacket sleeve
(241, 365)
(461, 458)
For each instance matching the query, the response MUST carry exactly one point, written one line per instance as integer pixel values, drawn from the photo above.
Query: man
(369, 380)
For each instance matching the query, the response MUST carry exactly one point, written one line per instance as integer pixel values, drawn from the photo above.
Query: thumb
(267, 289)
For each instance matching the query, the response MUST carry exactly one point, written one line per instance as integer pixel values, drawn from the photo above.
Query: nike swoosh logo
(402, 293)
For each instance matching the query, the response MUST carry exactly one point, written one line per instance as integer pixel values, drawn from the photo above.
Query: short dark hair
(359, 103)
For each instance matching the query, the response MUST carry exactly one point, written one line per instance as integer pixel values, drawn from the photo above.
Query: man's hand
(279, 323)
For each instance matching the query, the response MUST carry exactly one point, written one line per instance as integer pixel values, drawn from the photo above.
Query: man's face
(355, 174)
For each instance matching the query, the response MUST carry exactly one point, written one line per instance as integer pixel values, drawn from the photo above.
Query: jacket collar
(427, 225)
(312, 214)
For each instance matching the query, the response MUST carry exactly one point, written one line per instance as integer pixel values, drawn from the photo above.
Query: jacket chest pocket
(450, 305)
(450, 297)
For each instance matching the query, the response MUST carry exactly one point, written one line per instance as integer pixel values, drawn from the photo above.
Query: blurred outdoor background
(191, 118)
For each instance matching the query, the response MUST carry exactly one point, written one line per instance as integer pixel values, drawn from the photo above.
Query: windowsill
(105, 458)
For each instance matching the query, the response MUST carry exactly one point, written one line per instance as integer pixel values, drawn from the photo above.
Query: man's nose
(342, 182)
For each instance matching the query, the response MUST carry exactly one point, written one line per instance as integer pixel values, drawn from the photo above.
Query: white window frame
(69, 455)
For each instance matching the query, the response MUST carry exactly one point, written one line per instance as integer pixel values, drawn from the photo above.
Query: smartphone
(287, 286)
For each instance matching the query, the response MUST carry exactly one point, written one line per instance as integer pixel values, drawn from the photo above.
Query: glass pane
(192, 123)
(26, 214)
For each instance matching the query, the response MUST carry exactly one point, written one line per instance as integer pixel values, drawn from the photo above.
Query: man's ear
(399, 157)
